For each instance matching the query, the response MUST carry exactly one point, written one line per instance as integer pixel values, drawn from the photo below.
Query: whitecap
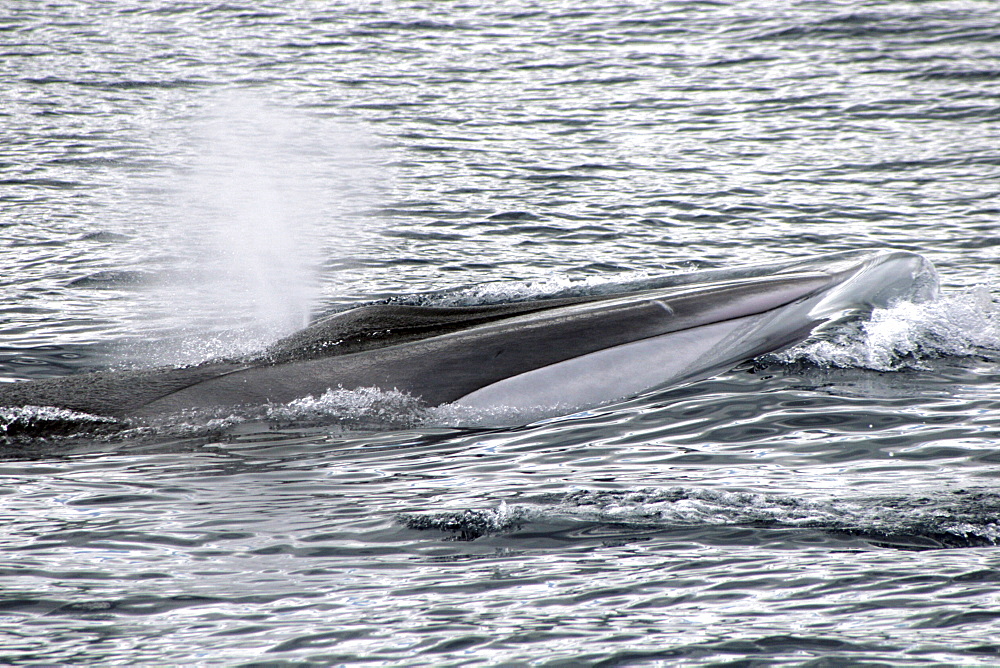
(907, 334)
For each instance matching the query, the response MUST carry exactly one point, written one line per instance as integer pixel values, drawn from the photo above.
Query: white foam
(34, 420)
(365, 405)
(907, 334)
(10, 414)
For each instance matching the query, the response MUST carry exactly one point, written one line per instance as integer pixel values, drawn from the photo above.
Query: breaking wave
(951, 519)
(905, 335)
(29, 422)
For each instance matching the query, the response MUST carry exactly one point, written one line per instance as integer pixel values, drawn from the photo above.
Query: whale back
(122, 393)
(111, 393)
(381, 325)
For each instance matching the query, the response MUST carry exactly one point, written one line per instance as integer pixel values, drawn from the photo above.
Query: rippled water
(181, 180)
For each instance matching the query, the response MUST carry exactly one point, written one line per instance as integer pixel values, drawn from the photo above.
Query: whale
(565, 352)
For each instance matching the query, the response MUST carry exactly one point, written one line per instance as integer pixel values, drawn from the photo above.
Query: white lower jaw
(622, 371)
(631, 369)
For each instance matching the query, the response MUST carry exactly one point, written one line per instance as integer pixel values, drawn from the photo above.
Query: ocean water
(183, 180)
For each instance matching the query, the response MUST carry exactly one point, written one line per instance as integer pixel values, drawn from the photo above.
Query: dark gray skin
(366, 328)
(438, 354)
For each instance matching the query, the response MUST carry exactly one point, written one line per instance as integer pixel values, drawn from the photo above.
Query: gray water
(184, 180)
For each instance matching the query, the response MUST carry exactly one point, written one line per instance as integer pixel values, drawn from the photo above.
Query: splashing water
(32, 421)
(365, 406)
(516, 291)
(903, 335)
(361, 409)
(962, 516)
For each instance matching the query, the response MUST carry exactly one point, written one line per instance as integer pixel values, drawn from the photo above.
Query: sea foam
(907, 334)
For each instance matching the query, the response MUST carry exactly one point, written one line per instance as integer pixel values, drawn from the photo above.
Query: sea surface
(183, 180)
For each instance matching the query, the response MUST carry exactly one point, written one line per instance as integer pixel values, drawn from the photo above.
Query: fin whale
(571, 352)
